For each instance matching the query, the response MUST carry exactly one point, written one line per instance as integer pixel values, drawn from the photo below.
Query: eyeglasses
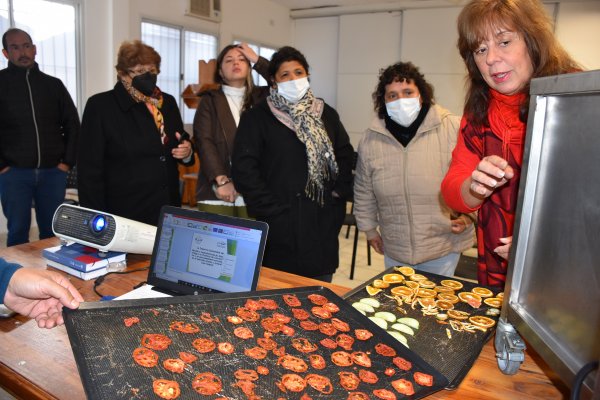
(141, 71)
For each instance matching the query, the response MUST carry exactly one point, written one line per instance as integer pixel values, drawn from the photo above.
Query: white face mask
(404, 111)
(294, 90)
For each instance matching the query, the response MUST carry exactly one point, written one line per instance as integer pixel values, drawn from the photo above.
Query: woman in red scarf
(504, 45)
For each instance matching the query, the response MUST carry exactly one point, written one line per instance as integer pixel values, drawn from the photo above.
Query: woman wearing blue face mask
(402, 159)
(132, 140)
(292, 162)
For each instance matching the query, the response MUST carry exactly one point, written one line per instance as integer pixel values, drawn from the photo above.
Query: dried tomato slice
(341, 358)
(361, 358)
(225, 348)
(348, 380)
(279, 351)
(234, 319)
(187, 357)
(357, 396)
(385, 350)
(268, 304)
(166, 389)
(247, 387)
(288, 330)
(247, 314)
(282, 318)
(317, 299)
(321, 312)
(266, 343)
(243, 333)
(174, 365)
(327, 328)
(258, 353)
(340, 325)
(404, 387)
(402, 363)
(390, 371)
(329, 343)
(367, 376)
(207, 317)
(291, 300)
(320, 383)
(384, 394)
(344, 341)
(331, 307)
(300, 314)
(252, 304)
(304, 345)
(155, 341)
(185, 327)
(317, 361)
(293, 382)
(247, 374)
(261, 369)
(204, 345)
(207, 383)
(145, 357)
(423, 379)
(362, 334)
(292, 363)
(271, 324)
(309, 325)
(130, 321)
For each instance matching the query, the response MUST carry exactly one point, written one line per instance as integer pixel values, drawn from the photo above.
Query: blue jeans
(19, 187)
(445, 265)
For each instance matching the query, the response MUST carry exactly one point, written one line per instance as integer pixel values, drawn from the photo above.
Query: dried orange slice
(378, 283)
(500, 295)
(481, 321)
(457, 314)
(372, 290)
(426, 293)
(452, 284)
(444, 305)
(393, 278)
(412, 284)
(418, 277)
(401, 291)
(426, 301)
(444, 289)
(406, 270)
(448, 297)
(472, 299)
(493, 302)
(427, 284)
(483, 292)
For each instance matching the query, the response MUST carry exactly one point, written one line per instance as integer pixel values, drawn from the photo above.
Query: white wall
(578, 29)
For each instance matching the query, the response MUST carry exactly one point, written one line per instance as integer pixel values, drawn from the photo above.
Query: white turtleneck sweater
(235, 98)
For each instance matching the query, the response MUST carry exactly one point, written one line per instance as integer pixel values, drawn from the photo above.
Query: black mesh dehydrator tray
(452, 357)
(103, 346)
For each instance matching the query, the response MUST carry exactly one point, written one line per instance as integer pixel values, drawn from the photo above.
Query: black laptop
(197, 252)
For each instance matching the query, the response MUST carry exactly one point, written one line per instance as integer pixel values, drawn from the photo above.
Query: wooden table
(38, 363)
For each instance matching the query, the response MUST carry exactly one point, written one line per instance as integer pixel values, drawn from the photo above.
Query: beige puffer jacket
(397, 190)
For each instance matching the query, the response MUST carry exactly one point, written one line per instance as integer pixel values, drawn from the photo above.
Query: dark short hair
(285, 54)
(400, 72)
(10, 32)
(132, 53)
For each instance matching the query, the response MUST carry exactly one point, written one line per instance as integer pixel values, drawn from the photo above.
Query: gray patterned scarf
(304, 118)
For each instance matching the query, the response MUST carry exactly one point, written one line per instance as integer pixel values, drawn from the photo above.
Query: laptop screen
(198, 252)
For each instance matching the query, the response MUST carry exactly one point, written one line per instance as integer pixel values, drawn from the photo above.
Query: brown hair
(132, 53)
(249, 81)
(530, 21)
(400, 72)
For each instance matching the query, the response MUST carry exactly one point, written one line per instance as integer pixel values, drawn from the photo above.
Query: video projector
(103, 231)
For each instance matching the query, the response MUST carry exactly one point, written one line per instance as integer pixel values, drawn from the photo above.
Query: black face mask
(145, 83)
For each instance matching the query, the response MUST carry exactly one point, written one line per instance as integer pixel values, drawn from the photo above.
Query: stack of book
(81, 261)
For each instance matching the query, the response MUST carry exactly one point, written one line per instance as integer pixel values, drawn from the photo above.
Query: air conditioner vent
(206, 9)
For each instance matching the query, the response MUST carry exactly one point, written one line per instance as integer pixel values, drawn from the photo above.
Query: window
(55, 42)
(262, 51)
(180, 51)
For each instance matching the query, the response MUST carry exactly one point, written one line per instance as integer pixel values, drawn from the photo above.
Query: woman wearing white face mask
(292, 162)
(402, 159)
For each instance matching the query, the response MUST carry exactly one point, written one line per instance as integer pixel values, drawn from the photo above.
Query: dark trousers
(19, 187)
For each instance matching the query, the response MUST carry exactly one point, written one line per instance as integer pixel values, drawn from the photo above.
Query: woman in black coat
(132, 139)
(292, 162)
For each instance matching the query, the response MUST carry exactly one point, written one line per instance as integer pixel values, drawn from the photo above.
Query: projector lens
(98, 223)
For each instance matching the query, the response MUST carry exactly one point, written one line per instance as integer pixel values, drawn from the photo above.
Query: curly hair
(132, 53)
(285, 54)
(401, 72)
(530, 21)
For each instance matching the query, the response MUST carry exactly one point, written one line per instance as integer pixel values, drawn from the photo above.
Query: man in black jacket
(39, 126)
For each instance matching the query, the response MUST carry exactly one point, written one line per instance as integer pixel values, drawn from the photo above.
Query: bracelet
(223, 183)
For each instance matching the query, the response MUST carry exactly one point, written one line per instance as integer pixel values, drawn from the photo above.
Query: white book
(86, 276)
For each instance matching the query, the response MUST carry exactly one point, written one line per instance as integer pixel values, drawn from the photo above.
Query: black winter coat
(40, 139)
(123, 168)
(270, 170)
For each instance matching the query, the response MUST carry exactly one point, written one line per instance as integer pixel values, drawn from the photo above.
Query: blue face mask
(404, 111)
(294, 90)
